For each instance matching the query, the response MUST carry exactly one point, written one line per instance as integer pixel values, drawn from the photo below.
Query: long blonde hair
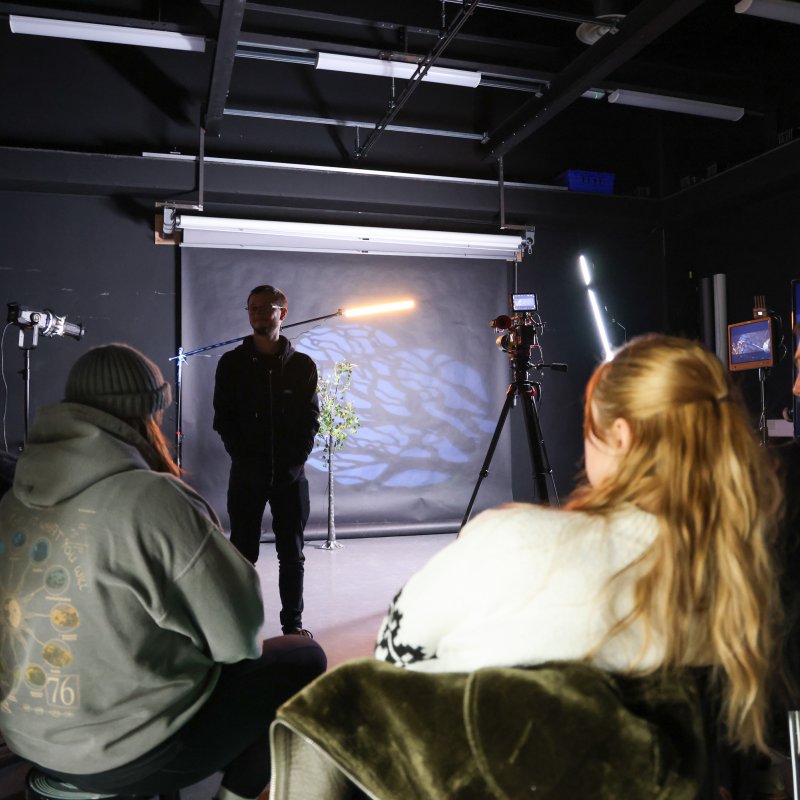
(707, 586)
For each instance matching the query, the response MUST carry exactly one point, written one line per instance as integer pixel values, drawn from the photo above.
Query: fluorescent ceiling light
(395, 69)
(244, 234)
(679, 104)
(781, 10)
(115, 34)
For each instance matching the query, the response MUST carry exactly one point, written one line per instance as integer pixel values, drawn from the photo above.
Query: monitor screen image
(750, 344)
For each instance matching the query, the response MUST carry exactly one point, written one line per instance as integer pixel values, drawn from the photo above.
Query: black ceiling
(257, 91)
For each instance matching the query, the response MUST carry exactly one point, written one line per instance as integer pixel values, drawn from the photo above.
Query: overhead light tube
(380, 308)
(395, 69)
(113, 34)
(608, 353)
(780, 10)
(680, 105)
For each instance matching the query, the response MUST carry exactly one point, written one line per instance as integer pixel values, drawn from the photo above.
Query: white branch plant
(337, 421)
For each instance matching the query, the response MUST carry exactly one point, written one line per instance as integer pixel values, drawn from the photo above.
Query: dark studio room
(400, 400)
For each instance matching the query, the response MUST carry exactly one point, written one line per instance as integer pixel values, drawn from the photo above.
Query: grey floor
(347, 592)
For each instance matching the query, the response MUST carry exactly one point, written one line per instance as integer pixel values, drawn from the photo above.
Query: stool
(41, 786)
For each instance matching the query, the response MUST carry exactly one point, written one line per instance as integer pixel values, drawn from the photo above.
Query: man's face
(265, 314)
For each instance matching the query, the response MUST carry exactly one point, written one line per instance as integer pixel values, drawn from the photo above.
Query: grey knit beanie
(119, 380)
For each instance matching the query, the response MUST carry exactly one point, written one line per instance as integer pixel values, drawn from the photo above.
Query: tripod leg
(510, 394)
(542, 472)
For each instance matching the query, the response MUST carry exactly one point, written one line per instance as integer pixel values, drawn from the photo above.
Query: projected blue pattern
(421, 412)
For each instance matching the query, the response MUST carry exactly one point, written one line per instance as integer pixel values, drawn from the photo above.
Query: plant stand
(330, 543)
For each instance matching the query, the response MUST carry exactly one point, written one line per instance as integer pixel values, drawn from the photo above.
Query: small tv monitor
(750, 344)
(524, 302)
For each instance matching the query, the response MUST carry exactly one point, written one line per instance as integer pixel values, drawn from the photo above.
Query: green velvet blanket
(560, 731)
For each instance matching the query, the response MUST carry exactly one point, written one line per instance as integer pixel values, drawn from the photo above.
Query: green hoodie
(120, 598)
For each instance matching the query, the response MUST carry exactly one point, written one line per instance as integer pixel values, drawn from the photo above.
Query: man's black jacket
(266, 409)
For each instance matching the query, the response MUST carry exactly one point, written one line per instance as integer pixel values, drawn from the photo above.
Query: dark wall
(756, 244)
(93, 260)
(89, 259)
(628, 275)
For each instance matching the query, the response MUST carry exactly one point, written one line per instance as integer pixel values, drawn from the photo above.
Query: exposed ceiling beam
(422, 68)
(230, 27)
(646, 22)
(543, 13)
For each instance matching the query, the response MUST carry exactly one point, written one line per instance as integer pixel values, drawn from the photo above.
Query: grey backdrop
(428, 386)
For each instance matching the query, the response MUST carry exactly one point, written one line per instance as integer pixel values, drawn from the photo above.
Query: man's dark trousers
(249, 491)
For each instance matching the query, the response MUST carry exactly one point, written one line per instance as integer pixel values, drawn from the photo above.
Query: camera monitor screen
(524, 302)
(750, 344)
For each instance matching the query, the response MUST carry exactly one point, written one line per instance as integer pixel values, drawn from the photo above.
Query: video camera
(523, 327)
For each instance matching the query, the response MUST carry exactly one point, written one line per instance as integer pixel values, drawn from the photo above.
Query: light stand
(762, 419)
(180, 360)
(529, 391)
(28, 340)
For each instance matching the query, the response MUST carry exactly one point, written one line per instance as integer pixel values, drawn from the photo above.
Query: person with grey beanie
(130, 657)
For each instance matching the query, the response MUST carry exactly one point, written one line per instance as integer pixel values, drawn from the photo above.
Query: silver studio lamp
(46, 321)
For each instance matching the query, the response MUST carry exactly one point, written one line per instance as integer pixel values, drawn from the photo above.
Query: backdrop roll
(428, 385)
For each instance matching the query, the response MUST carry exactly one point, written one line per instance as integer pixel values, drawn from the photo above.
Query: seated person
(662, 558)
(129, 649)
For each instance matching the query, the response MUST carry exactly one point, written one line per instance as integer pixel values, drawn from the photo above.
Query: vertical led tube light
(598, 317)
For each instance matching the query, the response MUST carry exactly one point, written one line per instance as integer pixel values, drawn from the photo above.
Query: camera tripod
(529, 391)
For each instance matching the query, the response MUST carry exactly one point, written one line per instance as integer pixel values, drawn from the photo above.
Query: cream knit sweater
(522, 585)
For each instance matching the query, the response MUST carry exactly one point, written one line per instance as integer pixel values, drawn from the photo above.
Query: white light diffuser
(595, 305)
(780, 10)
(244, 234)
(114, 34)
(680, 105)
(395, 69)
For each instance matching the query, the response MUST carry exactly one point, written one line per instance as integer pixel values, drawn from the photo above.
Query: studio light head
(47, 321)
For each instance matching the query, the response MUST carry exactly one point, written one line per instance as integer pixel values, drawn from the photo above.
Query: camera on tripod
(523, 327)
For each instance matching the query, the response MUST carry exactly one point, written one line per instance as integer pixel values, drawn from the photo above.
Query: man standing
(267, 413)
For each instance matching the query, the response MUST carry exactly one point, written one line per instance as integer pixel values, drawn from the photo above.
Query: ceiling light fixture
(113, 34)
(395, 69)
(680, 105)
(245, 234)
(780, 10)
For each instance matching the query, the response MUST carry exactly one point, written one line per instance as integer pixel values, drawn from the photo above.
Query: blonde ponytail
(707, 587)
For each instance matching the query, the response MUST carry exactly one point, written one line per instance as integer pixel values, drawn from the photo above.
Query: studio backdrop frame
(427, 386)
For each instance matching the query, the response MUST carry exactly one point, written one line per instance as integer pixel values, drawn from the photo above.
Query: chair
(560, 730)
(41, 786)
